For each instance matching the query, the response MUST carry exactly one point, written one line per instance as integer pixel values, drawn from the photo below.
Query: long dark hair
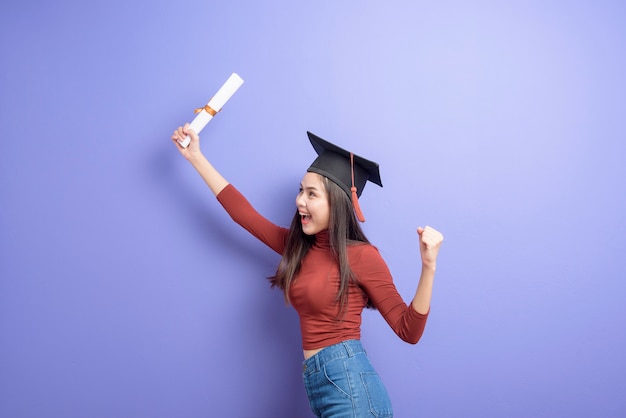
(343, 230)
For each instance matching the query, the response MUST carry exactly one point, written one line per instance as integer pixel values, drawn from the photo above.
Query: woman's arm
(192, 153)
(239, 209)
(430, 242)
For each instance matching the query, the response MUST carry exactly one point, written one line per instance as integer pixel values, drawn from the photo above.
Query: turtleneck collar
(322, 239)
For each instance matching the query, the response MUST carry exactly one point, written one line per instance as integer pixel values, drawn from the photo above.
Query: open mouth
(305, 219)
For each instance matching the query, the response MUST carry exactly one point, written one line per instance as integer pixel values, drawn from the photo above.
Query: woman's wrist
(429, 266)
(196, 157)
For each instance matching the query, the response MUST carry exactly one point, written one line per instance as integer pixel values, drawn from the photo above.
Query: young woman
(329, 272)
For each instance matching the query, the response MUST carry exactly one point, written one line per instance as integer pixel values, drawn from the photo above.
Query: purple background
(126, 291)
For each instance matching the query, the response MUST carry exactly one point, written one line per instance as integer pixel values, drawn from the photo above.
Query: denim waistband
(343, 349)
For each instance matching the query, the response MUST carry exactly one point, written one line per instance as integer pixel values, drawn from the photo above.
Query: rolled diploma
(216, 103)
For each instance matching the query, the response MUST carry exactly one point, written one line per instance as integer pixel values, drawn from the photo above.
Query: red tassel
(355, 203)
(355, 198)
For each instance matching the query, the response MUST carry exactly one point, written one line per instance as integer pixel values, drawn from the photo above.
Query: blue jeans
(341, 382)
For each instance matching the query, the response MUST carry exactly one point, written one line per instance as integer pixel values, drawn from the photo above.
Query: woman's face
(312, 203)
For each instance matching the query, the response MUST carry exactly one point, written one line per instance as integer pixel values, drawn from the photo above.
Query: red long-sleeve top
(314, 290)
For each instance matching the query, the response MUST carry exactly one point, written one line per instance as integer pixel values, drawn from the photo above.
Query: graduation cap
(348, 171)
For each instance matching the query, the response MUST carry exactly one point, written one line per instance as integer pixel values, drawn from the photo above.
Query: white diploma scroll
(216, 103)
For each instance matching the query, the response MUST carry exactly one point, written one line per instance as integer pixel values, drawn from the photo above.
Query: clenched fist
(430, 242)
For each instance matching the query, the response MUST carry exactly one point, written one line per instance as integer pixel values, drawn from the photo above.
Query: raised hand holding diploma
(206, 113)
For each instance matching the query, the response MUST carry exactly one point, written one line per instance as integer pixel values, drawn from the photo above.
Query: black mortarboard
(344, 169)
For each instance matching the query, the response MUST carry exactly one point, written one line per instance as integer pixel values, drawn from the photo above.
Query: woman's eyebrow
(308, 187)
